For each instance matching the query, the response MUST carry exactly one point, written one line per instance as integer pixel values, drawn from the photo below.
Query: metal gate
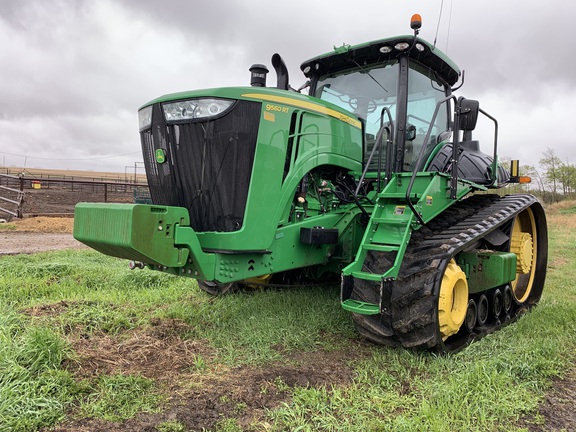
(10, 196)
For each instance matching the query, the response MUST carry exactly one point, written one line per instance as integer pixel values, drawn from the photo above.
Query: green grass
(253, 328)
(34, 391)
(91, 294)
(47, 298)
(87, 294)
(568, 211)
(120, 397)
(171, 426)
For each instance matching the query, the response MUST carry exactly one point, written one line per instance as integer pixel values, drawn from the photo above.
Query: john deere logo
(160, 156)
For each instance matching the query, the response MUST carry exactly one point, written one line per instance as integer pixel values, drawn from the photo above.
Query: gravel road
(14, 242)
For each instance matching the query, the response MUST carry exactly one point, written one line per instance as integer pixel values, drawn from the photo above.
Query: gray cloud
(74, 72)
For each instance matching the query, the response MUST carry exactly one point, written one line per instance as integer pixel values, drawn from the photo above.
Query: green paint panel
(133, 231)
(485, 269)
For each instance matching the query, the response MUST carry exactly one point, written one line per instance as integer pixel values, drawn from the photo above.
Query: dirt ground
(559, 407)
(62, 201)
(37, 233)
(160, 353)
(200, 399)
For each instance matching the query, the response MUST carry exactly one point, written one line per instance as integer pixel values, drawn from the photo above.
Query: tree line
(555, 181)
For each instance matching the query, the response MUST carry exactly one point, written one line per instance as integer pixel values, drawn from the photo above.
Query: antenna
(449, 25)
(438, 25)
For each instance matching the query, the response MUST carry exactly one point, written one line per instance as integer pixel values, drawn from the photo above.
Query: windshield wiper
(370, 75)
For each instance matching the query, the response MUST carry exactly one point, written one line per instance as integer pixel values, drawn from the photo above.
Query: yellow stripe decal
(307, 105)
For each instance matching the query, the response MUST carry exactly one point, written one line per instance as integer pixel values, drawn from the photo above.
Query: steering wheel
(363, 102)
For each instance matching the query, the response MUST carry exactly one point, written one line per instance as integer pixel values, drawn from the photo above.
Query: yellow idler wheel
(523, 244)
(453, 300)
(257, 282)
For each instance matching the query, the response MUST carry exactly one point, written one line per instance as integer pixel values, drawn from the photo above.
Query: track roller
(496, 303)
(483, 310)
(471, 316)
(216, 289)
(508, 299)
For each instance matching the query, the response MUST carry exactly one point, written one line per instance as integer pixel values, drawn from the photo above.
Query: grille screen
(208, 165)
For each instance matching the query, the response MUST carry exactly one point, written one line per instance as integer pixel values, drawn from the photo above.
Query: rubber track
(409, 313)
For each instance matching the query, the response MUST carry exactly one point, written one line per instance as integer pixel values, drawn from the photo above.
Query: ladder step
(380, 247)
(392, 195)
(389, 221)
(397, 195)
(367, 276)
(360, 307)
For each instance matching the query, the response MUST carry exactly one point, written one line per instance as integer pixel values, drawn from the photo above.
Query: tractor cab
(401, 90)
(394, 86)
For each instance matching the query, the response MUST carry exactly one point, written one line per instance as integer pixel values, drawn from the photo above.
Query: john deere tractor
(372, 181)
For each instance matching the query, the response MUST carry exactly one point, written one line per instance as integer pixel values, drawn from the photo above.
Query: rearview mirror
(468, 113)
(410, 132)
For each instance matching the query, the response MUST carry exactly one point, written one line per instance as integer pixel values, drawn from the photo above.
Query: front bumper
(144, 233)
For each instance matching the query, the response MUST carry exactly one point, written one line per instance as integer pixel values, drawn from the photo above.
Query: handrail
(377, 145)
(421, 156)
(455, 156)
(495, 157)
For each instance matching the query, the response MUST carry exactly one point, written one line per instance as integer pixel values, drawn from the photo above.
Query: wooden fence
(13, 189)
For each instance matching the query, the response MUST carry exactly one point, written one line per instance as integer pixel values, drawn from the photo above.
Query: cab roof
(365, 54)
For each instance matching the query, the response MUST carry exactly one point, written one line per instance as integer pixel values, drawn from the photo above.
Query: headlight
(145, 118)
(195, 109)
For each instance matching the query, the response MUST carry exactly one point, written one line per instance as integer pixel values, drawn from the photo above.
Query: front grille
(208, 165)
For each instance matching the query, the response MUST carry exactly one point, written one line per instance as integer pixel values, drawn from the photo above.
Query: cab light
(416, 22)
(401, 46)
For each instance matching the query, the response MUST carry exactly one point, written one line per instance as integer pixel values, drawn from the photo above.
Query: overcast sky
(73, 73)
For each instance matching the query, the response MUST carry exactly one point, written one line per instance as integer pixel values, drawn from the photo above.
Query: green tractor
(372, 180)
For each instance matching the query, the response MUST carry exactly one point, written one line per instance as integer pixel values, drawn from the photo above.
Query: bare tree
(537, 180)
(551, 163)
(567, 176)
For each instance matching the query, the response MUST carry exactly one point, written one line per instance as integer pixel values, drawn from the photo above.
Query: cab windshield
(366, 91)
(363, 91)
